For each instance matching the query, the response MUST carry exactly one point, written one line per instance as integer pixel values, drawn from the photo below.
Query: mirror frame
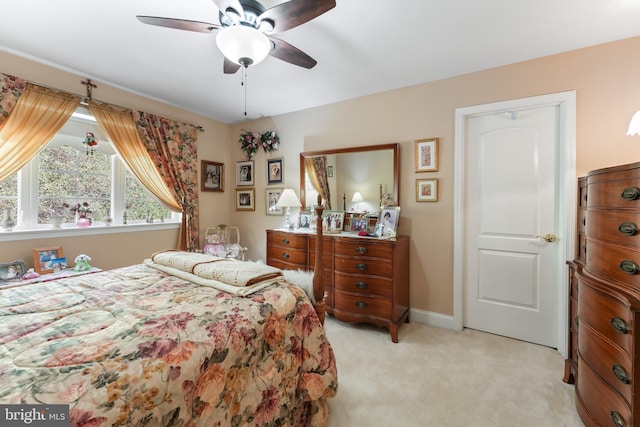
(396, 166)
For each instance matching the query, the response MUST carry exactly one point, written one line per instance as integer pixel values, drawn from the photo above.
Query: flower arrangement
(82, 210)
(269, 141)
(251, 141)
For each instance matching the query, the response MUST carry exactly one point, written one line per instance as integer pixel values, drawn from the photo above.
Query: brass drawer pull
(620, 373)
(362, 285)
(617, 419)
(620, 325)
(629, 267)
(630, 193)
(361, 250)
(628, 228)
(361, 304)
(285, 255)
(285, 241)
(361, 267)
(584, 221)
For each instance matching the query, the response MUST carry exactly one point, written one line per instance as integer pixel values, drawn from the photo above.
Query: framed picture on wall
(427, 190)
(212, 176)
(244, 172)
(427, 155)
(271, 197)
(43, 258)
(245, 199)
(275, 171)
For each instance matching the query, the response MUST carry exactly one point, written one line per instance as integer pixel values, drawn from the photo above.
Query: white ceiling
(362, 46)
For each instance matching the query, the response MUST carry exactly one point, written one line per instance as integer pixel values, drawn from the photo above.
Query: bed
(141, 345)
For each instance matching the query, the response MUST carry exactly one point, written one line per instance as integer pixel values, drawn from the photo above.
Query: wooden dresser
(571, 363)
(365, 279)
(608, 295)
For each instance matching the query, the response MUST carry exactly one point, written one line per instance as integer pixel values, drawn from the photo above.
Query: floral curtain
(316, 167)
(172, 148)
(10, 90)
(121, 130)
(36, 117)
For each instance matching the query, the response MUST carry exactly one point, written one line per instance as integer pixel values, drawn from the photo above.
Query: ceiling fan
(244, 34)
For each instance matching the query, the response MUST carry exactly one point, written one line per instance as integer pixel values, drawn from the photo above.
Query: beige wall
(607, 96)
(604, 78)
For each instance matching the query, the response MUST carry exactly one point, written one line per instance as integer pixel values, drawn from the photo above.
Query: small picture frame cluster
(49, 259)
(211, 176)
(427, 190)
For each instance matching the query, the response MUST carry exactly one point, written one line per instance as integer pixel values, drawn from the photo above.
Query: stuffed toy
(82, 263)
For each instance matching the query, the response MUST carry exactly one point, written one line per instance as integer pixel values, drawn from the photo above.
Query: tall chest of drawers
(608, 295)
(571, 363)
(365, 279)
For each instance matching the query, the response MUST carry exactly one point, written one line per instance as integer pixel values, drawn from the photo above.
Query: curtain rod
(88, 96)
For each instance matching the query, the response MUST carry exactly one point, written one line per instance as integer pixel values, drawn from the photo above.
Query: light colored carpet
(437, 377)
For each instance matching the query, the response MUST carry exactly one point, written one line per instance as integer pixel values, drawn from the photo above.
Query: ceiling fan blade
(179, 24)
(230, 67)
(225, 5)
(295, 12)
(288, 53)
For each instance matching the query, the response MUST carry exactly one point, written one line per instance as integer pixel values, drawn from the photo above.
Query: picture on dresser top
(389, 219)
(332, 221)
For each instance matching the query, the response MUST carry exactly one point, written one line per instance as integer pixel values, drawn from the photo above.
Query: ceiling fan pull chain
(244, 83)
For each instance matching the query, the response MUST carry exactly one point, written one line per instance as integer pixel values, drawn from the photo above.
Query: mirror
(371, 170)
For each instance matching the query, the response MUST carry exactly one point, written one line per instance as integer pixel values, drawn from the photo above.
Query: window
(64, 174)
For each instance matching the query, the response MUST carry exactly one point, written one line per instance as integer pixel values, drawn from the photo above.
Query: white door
(511, 196)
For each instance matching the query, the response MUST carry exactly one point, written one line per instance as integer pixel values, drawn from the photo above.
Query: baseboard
(432, 319)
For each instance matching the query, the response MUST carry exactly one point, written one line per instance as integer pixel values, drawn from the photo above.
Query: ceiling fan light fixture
(243, 45)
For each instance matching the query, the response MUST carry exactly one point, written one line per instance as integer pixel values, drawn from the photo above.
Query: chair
(224, 241)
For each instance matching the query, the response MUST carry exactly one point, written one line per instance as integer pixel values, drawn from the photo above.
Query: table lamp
(288, 199)
(357, 198)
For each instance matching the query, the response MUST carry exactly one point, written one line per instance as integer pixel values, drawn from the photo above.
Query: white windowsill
(71, 230)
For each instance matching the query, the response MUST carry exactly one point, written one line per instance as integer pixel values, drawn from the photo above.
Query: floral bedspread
(137, 346)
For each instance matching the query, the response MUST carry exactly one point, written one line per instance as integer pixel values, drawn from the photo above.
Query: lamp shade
(288, 199)
(357, 197)
(634, 126)
(243, 45)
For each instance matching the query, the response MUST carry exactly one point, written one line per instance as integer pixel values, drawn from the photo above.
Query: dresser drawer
(365, 248)
(614, 193)
(581, 220)
(367, 266)
(598, 399)
(613, 261)
(606, 315)
(364, 305)
(364, 284)
(618, 227)
(288, 255)
(607, 360)
(288, 240)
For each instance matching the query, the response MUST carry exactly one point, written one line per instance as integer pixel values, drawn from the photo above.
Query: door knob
(548, 237)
